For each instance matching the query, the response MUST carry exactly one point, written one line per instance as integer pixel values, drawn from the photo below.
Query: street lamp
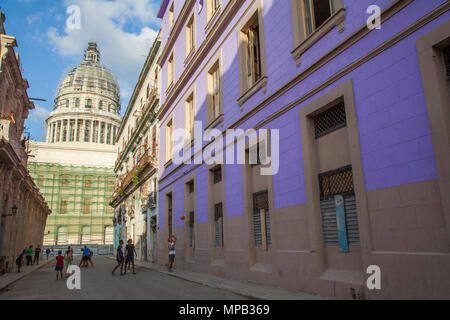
(13, 212)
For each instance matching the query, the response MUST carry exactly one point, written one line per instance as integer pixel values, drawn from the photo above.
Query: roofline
(163, 8)
(148, 62)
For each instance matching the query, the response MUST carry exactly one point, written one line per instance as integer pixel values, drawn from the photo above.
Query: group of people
(27, 254)
(127, 257)
(130, 253)
(65, 261)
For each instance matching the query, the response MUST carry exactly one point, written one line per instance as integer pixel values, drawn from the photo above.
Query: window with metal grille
(447, 61)
(191, 230)
(261, 229)
(218, 224)
(330, 120)
(217, 174)
(338, 182)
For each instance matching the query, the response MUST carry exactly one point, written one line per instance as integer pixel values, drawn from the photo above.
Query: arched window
(100, 105)
(109, 235)
(85, 235)
(61, 236)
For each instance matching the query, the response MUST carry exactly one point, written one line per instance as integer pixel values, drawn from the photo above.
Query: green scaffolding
(78, 197)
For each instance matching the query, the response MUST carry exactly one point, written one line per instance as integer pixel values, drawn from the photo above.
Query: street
(98, 283)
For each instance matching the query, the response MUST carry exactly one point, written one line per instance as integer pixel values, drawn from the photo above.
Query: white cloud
(38, 114)
(105, 22)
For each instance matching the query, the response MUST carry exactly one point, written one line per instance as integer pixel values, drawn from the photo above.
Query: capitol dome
(87, 104)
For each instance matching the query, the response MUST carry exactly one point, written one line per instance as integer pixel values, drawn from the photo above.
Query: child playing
(59, 265)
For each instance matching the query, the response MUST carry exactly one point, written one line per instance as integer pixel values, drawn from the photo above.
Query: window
(191, 230)
(213, 7)
(102, 132)
(67, 103)
(259, 157)
(447, 61)
(218, 225)
(316, 17)
(170, 71)
(58, 131)
(65, 181)
(330, 120)
(171, 17)
(63, 206)
(190, 115)
(190, 36)
(261, 220)
(85, 235)
(217, 174)
(77, 102)
(169, 213)
(214, 93)
(338, 208)
(169, 140)
(191, 187)
(72, 130)
(64, 132)
(88, 104)
(79, 129)
(95, 132)
(61, 237)
(87, 130)
(100, 105)
(87, 206)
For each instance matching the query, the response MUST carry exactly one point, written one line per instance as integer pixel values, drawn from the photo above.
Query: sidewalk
(249, 290)
(13, 276)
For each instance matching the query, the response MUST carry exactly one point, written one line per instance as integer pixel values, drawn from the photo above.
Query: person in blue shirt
(119, 258)
(19, 260)
(86, 257)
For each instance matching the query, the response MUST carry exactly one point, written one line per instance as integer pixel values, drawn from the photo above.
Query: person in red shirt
(59, 265)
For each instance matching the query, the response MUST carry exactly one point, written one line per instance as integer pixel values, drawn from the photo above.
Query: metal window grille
(261, 202)
(447, 61)
(330, 120)
(333, 183)
(218, 224)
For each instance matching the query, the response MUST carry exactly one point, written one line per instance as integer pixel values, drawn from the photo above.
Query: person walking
(29, 256)
(19, 260)
(129, 254)
(47, 252)
(172, 243)
(59, 265)
(119, 258)
(68, 257)
(37, 252)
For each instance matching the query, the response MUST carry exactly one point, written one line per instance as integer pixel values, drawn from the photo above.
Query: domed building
(74, 166)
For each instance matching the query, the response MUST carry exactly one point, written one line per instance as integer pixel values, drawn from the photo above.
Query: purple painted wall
(393, 124)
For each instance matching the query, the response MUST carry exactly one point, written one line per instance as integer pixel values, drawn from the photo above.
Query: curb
(214, 286)
(23, 275)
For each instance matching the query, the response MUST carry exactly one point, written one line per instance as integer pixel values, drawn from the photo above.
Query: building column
(76, 130)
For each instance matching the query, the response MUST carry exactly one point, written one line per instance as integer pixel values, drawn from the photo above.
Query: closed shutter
(332, 183)
(260, 201)
(218, 225)
(351, 219)
(191, 229)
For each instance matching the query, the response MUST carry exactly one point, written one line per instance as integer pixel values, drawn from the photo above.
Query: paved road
(98, 283)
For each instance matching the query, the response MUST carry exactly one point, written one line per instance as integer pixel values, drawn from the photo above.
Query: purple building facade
(364, 143)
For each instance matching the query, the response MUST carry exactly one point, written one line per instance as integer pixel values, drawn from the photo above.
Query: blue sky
(123, 29)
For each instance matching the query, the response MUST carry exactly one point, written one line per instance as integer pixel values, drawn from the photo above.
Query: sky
(123, 29)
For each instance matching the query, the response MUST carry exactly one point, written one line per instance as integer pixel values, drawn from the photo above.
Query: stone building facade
(74, 166)
(134, 199)
(22, 207)
(359, 120)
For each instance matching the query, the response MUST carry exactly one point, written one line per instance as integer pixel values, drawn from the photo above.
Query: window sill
(169, 88)
(261, 83)
(213, 19)
(336, 20)
(189, 57)
(215, 122)
(168, 163)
